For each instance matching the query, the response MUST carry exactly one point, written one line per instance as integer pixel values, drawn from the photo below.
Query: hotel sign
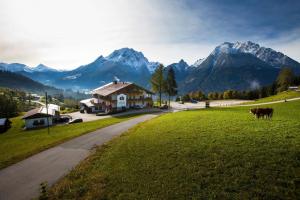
(121, 100)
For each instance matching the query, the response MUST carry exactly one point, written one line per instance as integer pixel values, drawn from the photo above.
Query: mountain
(43, 68)
(181, 69)
(15, 67)
(237, 66)
(125, 64)
(20, 82)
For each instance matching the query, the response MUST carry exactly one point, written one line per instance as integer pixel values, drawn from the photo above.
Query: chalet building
(117, 96)
(37, 117)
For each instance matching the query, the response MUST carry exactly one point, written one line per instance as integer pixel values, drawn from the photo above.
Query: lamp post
(47, 112)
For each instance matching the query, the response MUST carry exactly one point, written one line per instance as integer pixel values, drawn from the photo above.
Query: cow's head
(253, 111)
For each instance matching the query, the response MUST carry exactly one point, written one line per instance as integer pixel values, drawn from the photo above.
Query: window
(121, 98)
(38, 122)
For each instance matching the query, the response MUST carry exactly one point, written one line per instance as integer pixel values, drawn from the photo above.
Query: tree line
(285, 78)
(163, 81)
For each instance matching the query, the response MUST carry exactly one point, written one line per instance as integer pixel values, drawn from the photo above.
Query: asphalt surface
(92, 116)
(22, 180)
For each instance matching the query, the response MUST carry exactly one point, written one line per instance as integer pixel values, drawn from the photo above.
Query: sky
(65, 34)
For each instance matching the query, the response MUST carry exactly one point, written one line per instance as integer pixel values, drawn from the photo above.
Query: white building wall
(29, 122)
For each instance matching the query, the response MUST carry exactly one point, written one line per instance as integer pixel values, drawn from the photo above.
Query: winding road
(22, 180)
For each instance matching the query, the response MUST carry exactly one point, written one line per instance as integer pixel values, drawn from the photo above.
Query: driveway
(22, 180)
(201, 104)
(91, 117)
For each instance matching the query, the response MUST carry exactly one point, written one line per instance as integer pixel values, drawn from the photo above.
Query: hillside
(280, 96)
(17, 81)
(184, 155)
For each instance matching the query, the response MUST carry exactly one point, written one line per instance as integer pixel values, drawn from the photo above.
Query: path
(22, 180)
(92, 116)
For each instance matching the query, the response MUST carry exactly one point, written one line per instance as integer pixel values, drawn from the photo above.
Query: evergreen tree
(170, 84)
(157, 81)
(284, 79)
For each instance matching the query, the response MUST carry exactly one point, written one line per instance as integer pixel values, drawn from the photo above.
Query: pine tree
(170, 84)
(157, 81)
(285, 79)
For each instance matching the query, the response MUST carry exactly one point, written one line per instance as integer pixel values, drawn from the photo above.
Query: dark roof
(113, 87)
(35, 112)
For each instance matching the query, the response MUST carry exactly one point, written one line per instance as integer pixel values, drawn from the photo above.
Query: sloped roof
(90, 102)
(42, 111)
(110, 88)
(113, 87)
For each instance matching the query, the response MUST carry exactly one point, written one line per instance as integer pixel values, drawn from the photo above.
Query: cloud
(67, 33)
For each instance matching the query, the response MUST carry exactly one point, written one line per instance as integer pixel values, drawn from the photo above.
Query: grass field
(17, 144)
(280, 96)
(222, 153)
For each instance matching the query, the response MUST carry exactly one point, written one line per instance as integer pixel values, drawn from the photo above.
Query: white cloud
(68, 33)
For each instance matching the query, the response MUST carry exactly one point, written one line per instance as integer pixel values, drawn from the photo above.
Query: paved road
(22, 180)
(91, 117)
(201, 104)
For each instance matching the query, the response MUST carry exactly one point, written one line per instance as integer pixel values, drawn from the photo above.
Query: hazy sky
(67, 33)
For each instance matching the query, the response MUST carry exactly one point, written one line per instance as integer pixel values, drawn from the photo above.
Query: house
(4, 124)
(117, 96)
(39, 117)
(294, 88)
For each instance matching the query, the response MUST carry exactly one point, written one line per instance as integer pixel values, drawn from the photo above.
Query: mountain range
(239, 65)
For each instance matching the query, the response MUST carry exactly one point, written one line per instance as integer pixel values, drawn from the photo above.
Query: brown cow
(262, 112)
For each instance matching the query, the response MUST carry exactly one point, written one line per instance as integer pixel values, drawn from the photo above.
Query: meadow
(17, 144)
(216, 153)
(280, 96)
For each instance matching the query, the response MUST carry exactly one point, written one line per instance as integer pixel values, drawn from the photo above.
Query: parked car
(77, 120)
(164, 107)
(193, 101)
(137, 107)
(63, 119)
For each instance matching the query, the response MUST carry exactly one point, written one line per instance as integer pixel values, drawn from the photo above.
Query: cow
(262, 112)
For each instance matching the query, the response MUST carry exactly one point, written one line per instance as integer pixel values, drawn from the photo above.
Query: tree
(170, 84)
(186, 98)
(284, 79)
(210, 96)
(157, 81)
(228, 94)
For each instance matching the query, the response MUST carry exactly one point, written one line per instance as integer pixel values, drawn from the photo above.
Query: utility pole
(47, 112)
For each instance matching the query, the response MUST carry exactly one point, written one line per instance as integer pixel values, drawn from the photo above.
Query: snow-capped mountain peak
(268, 55)
(129, 57)
(43, 68)
(198, 62)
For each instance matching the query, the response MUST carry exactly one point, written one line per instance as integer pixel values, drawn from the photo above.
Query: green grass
(17, 144)
(280, 96)
(222, 153)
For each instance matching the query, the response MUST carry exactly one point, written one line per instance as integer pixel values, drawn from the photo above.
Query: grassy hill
(222, 153)
(280, 96)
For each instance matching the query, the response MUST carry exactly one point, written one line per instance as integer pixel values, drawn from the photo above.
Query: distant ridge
(238, 66)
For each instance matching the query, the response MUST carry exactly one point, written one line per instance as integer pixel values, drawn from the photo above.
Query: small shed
(4, 124)
(36, 118)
